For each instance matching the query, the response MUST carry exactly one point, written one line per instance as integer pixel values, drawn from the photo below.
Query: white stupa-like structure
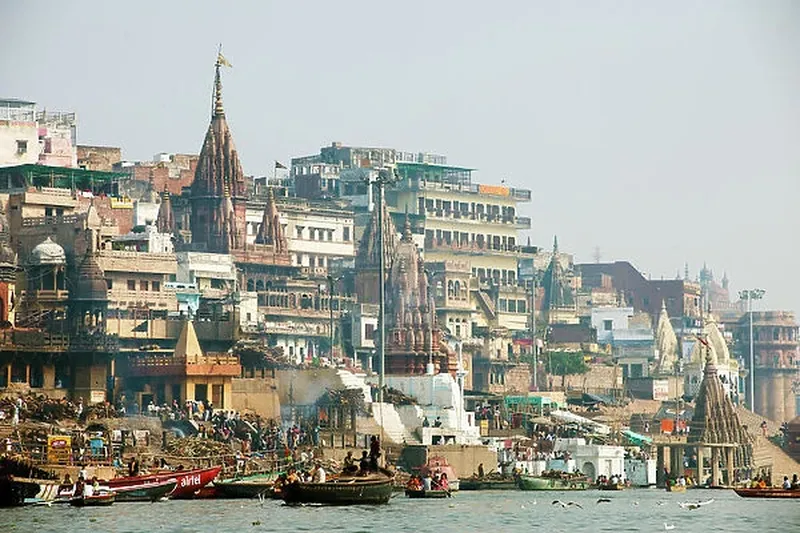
(727, 367)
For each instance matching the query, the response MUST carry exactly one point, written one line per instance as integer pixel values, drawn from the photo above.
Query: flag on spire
(221, 61)
(279, 165)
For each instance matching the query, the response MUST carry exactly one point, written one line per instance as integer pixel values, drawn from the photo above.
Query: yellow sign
(59, 449)
(496, 190)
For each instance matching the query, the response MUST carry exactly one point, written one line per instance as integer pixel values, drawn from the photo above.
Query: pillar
(700, 469)
(715, 467)
(789, 399)
(661, 452)
(775, 396)
(762, 386)
(729, 466)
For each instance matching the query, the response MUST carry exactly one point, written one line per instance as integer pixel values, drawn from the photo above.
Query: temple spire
(407, 229)
(165, 222)
(219, 110)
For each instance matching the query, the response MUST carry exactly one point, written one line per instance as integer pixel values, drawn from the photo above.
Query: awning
(636, 438)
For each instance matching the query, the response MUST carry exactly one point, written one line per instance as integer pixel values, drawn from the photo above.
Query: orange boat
(189, 482)
(770, 492)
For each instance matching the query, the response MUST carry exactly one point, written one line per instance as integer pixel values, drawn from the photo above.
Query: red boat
(770, 492)
(189, 482)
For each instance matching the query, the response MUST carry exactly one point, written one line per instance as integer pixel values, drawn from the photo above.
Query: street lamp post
(750, 295)
(385, 176)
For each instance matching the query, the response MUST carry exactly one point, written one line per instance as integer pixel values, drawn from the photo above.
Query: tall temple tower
(219, 192)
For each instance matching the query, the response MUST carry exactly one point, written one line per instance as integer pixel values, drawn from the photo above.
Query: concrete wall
(10, 133)
(259, 395)
(463, 459)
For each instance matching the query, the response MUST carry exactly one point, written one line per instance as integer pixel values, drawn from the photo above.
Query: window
(346, 234)
(299, 230)
(512, 306)
(143, 285)
(521, 306)
(369, 331)
(503, 305)
(48, 211)
(155, 286)
(22, 147)
(608, 325)
(131, 285)
(109, 283)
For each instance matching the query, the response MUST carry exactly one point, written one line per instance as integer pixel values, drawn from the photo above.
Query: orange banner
(497, 190)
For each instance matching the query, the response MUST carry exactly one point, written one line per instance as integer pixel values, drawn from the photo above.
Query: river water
(647, 510)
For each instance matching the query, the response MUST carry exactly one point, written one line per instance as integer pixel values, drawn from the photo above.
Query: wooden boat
(375, 488)
(21, 490)
(676, 488)
(106, 498)
(439, 465)
(245, 487)
(488, 484)
(189, 482)
(146, 492)
(770, 492)
(611, 486)
(552, 483)
(428, 493)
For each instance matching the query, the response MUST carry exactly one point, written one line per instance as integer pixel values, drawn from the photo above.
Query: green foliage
(566, 363)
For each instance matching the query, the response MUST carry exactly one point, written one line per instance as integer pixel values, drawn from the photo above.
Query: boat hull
(546, 483)
(372, 490)
(487, 484)
(189, 482)
(676, 488)
(98, 500)
(244, 488)
(435, 494)
(768, 493)
(15, 491)
(148, 492)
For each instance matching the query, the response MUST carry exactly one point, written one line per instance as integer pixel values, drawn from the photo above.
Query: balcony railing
(471, 247)
(168, 365)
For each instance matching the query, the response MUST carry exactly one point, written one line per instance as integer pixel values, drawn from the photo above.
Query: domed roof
(48, 253)
(91, 283)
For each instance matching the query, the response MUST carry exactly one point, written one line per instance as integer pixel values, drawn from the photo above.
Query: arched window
(450, 293)
(260, 285)
(251, 286)
(457, 289)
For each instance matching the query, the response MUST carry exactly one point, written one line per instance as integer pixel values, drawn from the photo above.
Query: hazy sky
(660, 132)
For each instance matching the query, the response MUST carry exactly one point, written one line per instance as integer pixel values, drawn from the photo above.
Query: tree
(561, 363)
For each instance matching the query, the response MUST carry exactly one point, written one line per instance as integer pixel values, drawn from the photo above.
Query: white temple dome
(48, 252)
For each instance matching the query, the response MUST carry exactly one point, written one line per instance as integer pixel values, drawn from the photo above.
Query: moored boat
(188, 482)
(676, 488)
(772, 492)
(611, 486)
(375, 488)
(106, 498)
(145, 492)
(525, 482)
(475, 483)
(411, 493)
(245, 487)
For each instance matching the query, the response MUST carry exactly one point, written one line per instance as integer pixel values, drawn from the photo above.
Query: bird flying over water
(695, 505)
(568, 504)
(603, 500)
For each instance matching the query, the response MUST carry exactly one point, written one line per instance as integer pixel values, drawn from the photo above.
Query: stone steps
(766, 453)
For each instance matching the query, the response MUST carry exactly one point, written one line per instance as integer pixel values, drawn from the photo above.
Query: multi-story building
(28, 136)
(777, 361)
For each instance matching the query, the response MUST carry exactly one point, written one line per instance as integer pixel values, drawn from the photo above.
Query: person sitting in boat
(318, 474)
(481, 473)
(787, 485)
(364, 464)
(795, 482)
(682, 481)
(443, 484)
(292, 477)
(414, 483)
(350, 463)
(427, 481)
(762, 484)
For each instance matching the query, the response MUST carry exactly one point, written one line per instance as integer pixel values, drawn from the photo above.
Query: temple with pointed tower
(559, 296)
(219, 192)
(413, 338)
(185, 373)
